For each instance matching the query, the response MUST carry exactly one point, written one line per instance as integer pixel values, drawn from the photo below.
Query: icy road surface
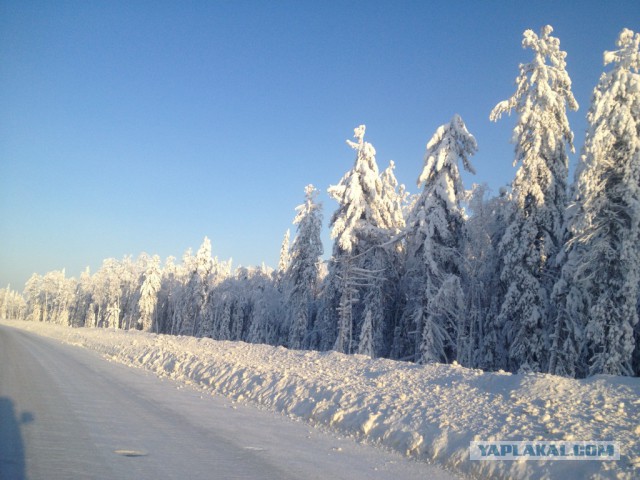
(66, 413)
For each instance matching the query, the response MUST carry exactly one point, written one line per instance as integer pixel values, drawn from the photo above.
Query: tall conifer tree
(598, 290)
(535, 228)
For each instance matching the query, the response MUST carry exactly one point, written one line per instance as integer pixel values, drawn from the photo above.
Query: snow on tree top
(628, 56)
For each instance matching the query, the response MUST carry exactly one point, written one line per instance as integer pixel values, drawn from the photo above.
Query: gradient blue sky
(131, 126)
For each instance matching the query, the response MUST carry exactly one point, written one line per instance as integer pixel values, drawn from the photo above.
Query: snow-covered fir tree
(365, 346)
(81, 300)
(303, 270)
(178, 299)
(149, 296)
(106, 294)
(5, 295)
(168, 286)
(263, 308)
(131, 278)
(598, 290)
(485, 346)
(357, 280)
(191, 303)
(393, 199)
(223, 321)
(12, 304)
(434, 243)
(220, 272)
(635, 361)
(50, 297)
(358, 194)
(535, 231)
(285, 256)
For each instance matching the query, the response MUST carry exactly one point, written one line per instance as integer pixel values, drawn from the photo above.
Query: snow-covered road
(66, 413)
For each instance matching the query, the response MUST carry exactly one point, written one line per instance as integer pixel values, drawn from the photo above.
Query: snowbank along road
(66, 413)
(429, 413)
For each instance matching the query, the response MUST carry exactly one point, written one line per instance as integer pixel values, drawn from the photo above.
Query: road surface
(66, 413)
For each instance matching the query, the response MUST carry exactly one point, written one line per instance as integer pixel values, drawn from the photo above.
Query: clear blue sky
(131, 126)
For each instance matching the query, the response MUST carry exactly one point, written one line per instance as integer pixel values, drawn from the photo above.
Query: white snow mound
(430, 413)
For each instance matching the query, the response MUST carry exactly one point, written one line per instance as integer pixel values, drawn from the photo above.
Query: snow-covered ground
(430, 413)
(67, 413)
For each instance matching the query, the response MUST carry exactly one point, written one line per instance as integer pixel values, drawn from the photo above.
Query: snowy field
(430, 413)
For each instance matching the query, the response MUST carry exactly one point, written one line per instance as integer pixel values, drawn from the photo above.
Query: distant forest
(542, 278)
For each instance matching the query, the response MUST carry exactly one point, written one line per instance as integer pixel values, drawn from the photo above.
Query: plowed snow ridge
(430, 412)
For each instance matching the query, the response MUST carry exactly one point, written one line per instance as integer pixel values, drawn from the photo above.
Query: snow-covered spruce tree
(598, 289)
(219, 308)
(49, 298)
(365, 346)
(394, 201)
(635, 361)
(383, 267)
(220, 272)
(303, 270)
(361, 226)
(255, 310)
(223, 320)
(535, 230)
(485, 346)
(131, 278)
(5, 300)
(149, 296)
(31, 294)
(177, 299)
(81, 300)
(285, 256)
(568, 349)
(192, 301)
(434, 244)
(59, 292)
(262, 308)
(107, 294)
(357, 195)
(169, 285)
(13, 305)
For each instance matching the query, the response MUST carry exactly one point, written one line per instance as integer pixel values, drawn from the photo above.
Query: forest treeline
(544, 277)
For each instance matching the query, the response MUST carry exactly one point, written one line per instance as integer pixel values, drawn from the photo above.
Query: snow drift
(430, 413)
